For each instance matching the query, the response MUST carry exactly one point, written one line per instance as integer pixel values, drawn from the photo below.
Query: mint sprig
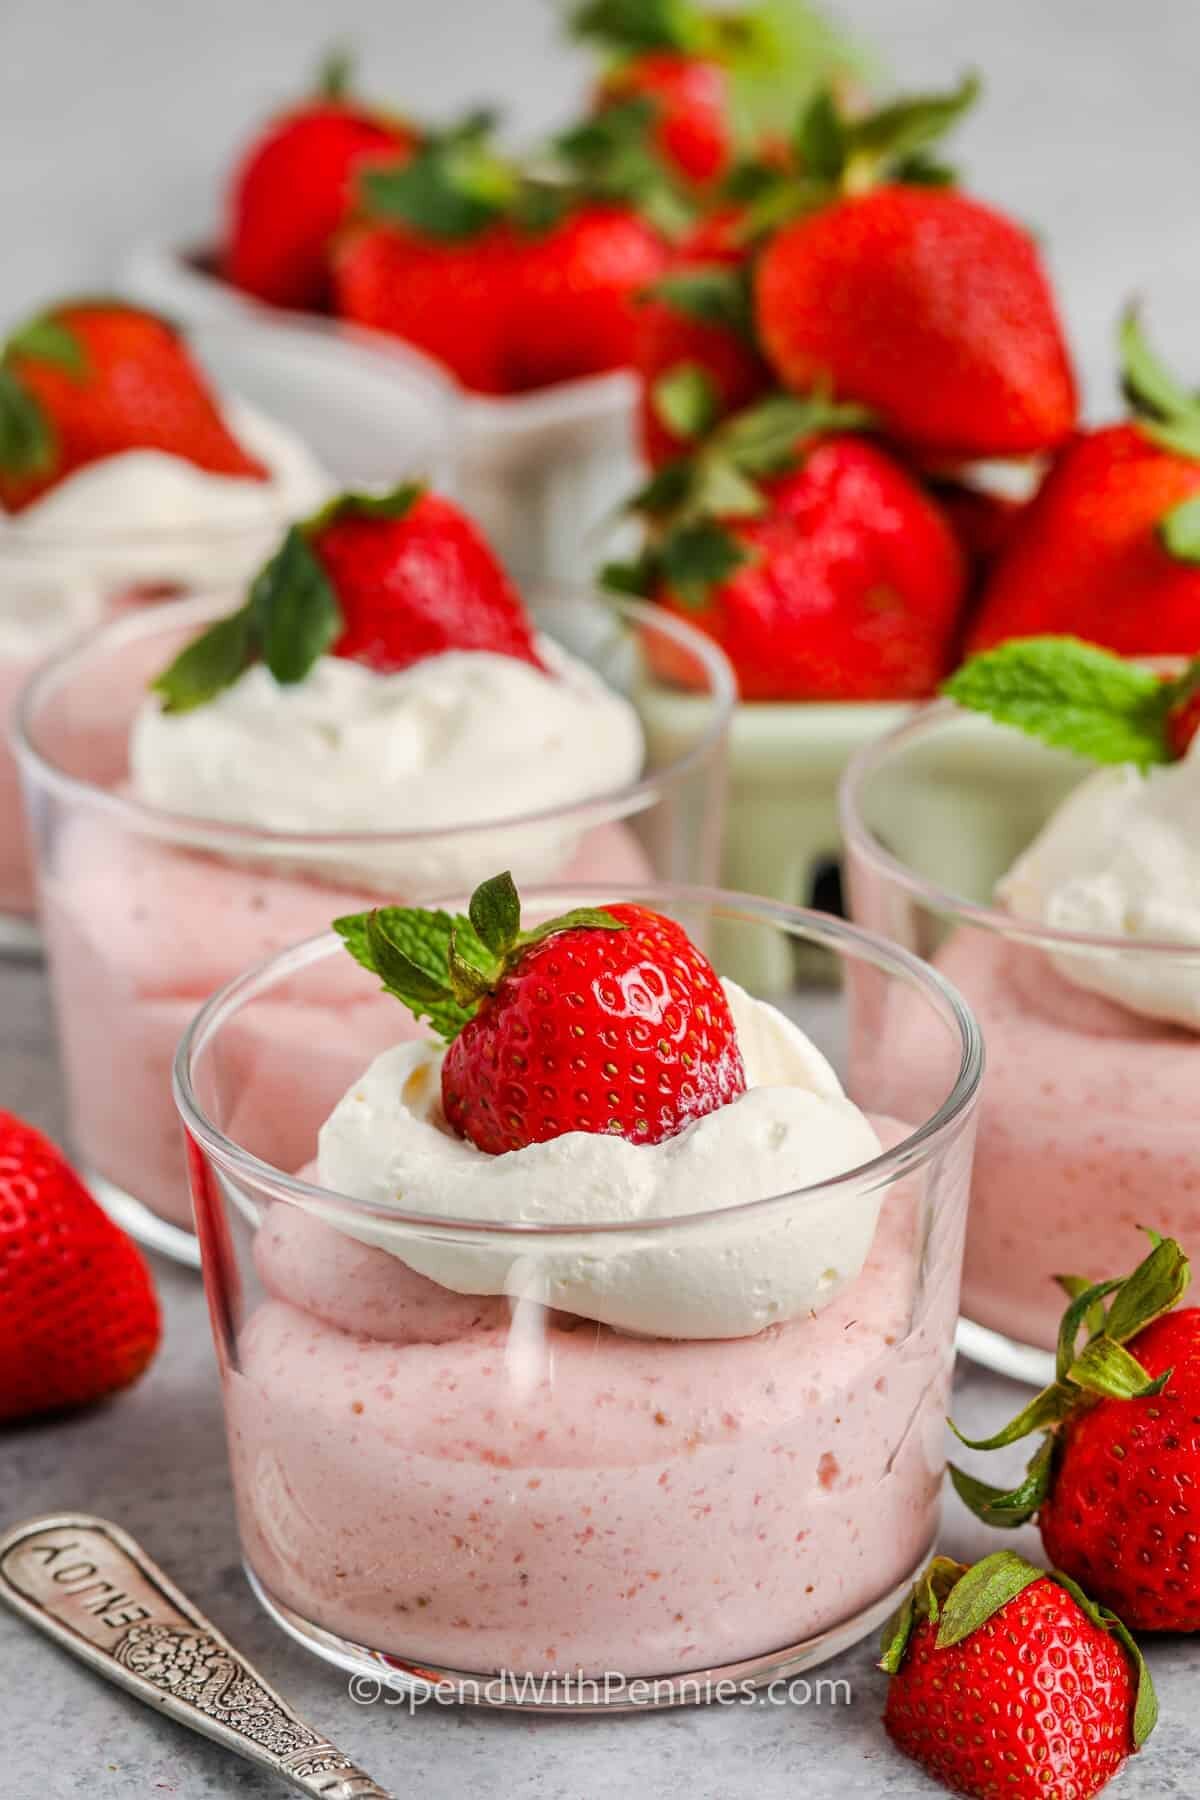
(290, 617)
(442, 965)
(1073, 696)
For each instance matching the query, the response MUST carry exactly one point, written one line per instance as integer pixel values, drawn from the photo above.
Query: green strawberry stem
(689, 501)
(441, 965)
(1102, 1369)
(28, 441)
(1075, 697)
(959, 1600)
(290, 617)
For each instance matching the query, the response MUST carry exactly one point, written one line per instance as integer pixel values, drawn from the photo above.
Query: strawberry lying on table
(78, 1314)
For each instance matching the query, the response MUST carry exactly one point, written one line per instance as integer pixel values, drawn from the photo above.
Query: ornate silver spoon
(89, 1586)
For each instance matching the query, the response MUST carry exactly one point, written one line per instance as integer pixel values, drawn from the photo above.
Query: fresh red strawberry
(604, 1020)
(381, 579)
(691, 101)
(928, 307)
(78, 1314)
(450, 298)
(1115, 1482)
(984, 521)
(810, 556)
(1008, 1683)
(575, 308)
(90, 379)
(1110, 548)
(294, 187)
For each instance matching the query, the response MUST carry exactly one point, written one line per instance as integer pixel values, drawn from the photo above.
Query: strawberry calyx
(290, 617)
(1078, 697)
(693, 502)
(711, 293)
(453, 187)
(28, 442)
(960, 1599)
(440, 965)
(611, 157)
(1169, 415)
(1112, 1312)
(832, 153)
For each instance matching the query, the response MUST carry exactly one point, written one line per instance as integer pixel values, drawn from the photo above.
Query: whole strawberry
(381, 579)
(815, 561)
(90, 379)
(928, 307)
(78, 1314)
(604, 1020)
(1115, 1481)
(294, 187)
(1110, 548)
(1008, 1683)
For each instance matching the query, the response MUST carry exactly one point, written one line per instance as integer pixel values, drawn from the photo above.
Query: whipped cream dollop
(1120, 858)
(387, 1142)
(145, 518)
(462, 737)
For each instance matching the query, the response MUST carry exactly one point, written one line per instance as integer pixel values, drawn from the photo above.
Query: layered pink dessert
(1085, 1134)
(609, 1503)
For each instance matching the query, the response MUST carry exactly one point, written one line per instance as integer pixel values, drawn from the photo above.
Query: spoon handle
(88, 1585)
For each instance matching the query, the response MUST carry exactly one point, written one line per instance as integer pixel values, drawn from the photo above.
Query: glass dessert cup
(145, 912)
(1085, 1129)
(542, 472)
(387, 418)
(434, 1484)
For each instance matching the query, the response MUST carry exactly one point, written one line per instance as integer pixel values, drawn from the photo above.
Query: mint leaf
(27, 438)
(1071, 695)
(696, 558)
(686, 400)
(495, 912)
(1179, 529)
(213, 661)
(294, 609)
(46, 339)
(409, 949)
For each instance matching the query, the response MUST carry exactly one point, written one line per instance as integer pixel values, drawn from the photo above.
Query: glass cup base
(1004, 1355)
(144, 1226)
(572, 1691)
(20, 937)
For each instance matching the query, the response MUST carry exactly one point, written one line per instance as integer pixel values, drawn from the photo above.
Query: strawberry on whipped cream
(634, 1391)
(121, 479)
(378, 715)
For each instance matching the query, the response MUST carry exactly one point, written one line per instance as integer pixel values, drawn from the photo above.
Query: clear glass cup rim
(858, 837)
(845, 940)
(441, 390)
(167, 616)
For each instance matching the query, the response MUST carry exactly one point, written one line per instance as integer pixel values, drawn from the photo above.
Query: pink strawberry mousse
(1085, 1133)
(634, 1505)
(140, 933)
